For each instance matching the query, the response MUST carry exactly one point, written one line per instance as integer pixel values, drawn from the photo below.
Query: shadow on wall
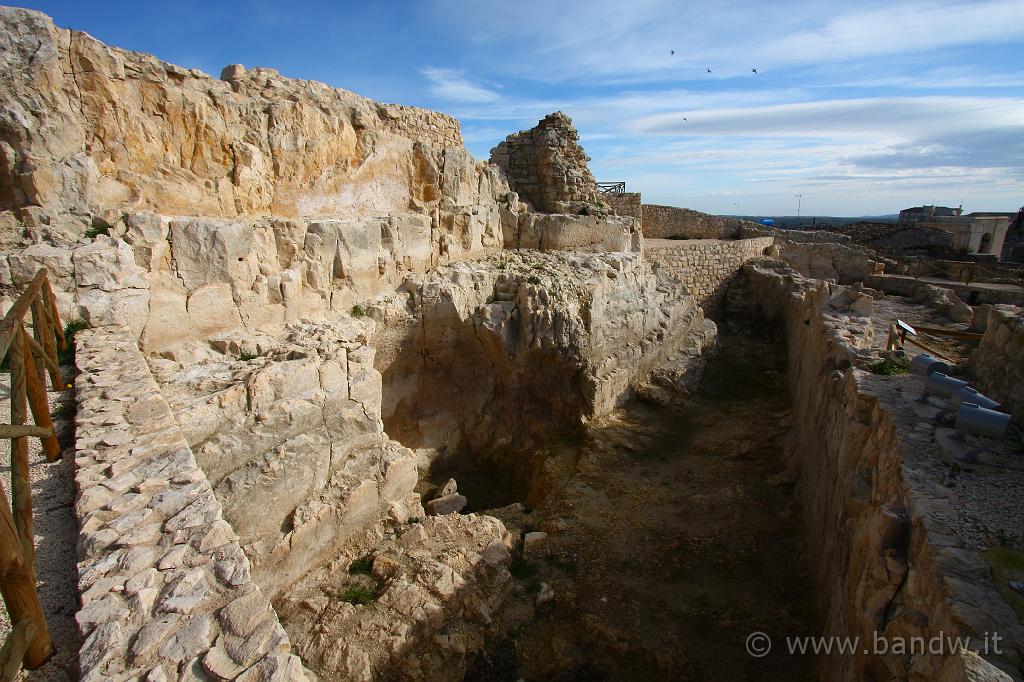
(469, 396)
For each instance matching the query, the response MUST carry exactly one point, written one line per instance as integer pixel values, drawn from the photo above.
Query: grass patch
(95, 231)
(360, 595)
(533, 279)
(361, 566)
(887, 367)
(246, 357)
(358, 311)
(67, 357)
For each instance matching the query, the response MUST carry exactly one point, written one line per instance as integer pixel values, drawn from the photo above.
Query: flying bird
(755, 71)
(684, 118)
(709, 70)
(671, 51)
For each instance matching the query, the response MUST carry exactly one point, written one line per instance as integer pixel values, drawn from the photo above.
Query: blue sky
(863, 108)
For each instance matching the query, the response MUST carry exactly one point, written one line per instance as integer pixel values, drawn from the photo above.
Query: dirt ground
(56, 535)
(892, 308)
(672, 537)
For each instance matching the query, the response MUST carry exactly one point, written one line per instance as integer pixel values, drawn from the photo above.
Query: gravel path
(53, 499)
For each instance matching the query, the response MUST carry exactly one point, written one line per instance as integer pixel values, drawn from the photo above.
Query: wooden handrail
(30, 358)
(17, 313)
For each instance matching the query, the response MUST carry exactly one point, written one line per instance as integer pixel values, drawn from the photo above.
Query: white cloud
(451, 85)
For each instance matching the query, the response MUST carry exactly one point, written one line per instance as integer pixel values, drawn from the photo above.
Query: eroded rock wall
(240, 195)
(88, 128)
(885, 562)
(166, 589)
(295, 433)
(997, 365)
(499, 352)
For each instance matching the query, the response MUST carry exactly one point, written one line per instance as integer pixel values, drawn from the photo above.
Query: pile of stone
(447, 499)
(436, 587)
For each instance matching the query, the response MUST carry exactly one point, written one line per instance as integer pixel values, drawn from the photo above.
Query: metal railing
(29, 358)
(612, 187)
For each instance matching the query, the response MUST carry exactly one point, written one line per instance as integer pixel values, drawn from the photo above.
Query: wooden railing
(612, 187)
(966, 272)
(29, 357)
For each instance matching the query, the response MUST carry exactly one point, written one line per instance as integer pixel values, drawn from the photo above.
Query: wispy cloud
(870, 103)
(889, 116)
(452, 86)
(581, 42)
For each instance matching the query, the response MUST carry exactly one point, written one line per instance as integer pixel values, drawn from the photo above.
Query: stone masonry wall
(165, 587)
(705, 266)
(625, 204)
(548, 167)
(997, 365)
(660, 222)
(432, 127)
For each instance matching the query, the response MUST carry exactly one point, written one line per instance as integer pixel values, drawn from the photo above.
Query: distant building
(921, 214)
(978, 233)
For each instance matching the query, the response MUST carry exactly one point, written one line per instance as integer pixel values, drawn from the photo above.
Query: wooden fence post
(40, 403)
(44, 335)
(17, 549)
(51, 301)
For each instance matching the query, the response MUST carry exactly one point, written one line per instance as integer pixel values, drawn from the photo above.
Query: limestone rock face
(499, 351)
(88, 128)
(548, 167)
(944, 301)
(296, 434)
(562, 232)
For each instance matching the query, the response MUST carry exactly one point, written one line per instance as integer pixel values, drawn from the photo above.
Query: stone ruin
(547, 166)
(302, 304)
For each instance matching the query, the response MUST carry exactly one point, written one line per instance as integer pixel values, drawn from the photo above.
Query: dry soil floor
(673, 538)
(56, 533)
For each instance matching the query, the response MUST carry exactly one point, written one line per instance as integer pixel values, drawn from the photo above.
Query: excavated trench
(672, 534)
(661, 536)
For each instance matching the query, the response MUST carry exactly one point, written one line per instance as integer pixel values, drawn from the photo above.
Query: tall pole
(799, 198)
